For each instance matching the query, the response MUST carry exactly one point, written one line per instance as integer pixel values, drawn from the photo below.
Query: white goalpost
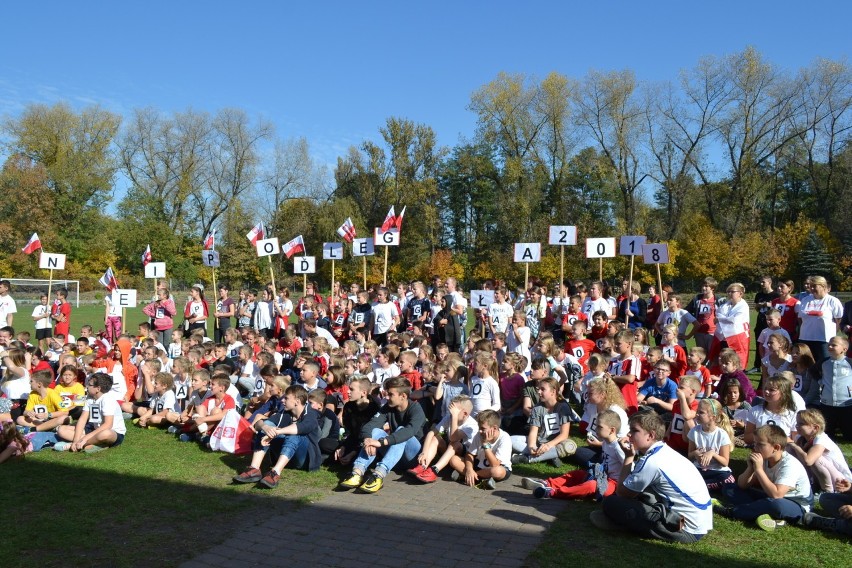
(32, 288)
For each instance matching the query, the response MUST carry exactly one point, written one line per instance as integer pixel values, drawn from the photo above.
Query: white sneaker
(531, 484)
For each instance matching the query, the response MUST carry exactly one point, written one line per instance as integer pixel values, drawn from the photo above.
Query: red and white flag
(347, 230)
(209, 241)
(256, 234)
(294, 246)
(108, 280)
(33, 244)
(392, 221)
(146, 256)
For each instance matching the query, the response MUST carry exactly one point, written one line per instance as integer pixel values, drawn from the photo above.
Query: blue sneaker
(187, 437)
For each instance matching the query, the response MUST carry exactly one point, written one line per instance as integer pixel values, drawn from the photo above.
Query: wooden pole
(271, 273)
(215, 301)
(50, 287)
(305, 284)
(660, 283)
(332, 279)
(628, 292)
(385, 276)
(561, 274)
(365, 271)
(123, 319)
(526, 277)
(600, 269)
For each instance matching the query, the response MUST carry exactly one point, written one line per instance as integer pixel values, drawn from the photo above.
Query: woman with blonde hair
(819, 313)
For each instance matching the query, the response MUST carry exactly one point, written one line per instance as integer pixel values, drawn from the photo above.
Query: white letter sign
(481, 298)
(363, 247)
(210, 258)
(124, 298)
(527, 252)
(304, 265)
(389, 239)
(332, 251)
(268, 247)
(562, 235)
(155, 270)
(600, 248)
(51, 261)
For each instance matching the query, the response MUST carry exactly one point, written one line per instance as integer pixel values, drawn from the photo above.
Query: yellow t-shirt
(74, 395)
(50, 403)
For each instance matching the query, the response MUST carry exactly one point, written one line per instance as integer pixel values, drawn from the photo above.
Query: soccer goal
(29, 290)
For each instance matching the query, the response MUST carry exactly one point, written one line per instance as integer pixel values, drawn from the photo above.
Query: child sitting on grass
(773, 489)
(211, 410)
(101, 424)
(42, 403)
(683, 414)
(600, 480)
(710, 443)
(817, 451)
(13, 444)
(161, 404)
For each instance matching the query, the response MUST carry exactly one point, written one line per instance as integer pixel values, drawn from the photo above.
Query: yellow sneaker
(352, 481)
(373, 484)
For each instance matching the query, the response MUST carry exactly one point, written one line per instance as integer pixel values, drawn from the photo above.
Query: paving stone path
(443, 524)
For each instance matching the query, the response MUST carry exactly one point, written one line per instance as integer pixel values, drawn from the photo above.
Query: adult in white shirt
(819, 314)
(8, 308)
(596, 302)
(732, 326)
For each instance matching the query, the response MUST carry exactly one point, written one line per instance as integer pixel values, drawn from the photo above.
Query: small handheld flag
(209, 241)
(32, 245)
(347, 230)
(146, 256)
(108, 280)
(256, 234)
(294, 246)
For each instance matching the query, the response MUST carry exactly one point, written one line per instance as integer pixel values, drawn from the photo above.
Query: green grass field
(109, 508)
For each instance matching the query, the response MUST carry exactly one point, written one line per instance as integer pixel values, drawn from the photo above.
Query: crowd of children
(376, 383)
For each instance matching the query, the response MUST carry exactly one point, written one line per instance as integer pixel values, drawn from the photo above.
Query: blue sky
(334, 71)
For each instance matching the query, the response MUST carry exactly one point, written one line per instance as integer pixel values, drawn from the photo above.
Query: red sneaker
(416, 470)
(428, 475)
(270, 479)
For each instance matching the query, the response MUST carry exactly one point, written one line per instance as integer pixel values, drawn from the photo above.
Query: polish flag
(255, 234)
(108, 280)
(146, 256)
(392, 221)
(33, 244)
(294, 246)
(347, 230)
(209, 240)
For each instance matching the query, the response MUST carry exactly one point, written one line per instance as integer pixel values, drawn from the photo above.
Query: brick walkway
(444, 524)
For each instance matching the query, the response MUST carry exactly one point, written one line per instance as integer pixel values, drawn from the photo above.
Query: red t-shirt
(675, 436)
(789, 319)
(414, 378)
(705, 316)
(627, 366)
(581, 349)
(62, 327)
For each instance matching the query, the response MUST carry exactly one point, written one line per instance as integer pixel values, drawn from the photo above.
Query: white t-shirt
(502, 449)
(106, 405)
(590, 417)
(500, 315)
(383, 315)
(7, 306)
(681, 318)
(789, 471)
(759, 416)
(672, 477)
(165, 401)
(522, 346)
(710, 441)
(732, 320)
(469, 428)
(380, 374)
(591, 306)
(16, 389)
(817, 317)
(772, 370)
(484, 393)
(613, 459)
(834, 454)
(764, 336)
(43, 323)
(234, 349)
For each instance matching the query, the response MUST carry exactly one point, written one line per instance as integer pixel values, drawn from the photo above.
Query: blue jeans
(294, 447)
(404, 452)
(749, 504)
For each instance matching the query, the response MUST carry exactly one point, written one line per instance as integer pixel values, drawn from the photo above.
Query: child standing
(676, 316)
(625, 369)
(836, 396)
(673, 351)
(710, 443)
